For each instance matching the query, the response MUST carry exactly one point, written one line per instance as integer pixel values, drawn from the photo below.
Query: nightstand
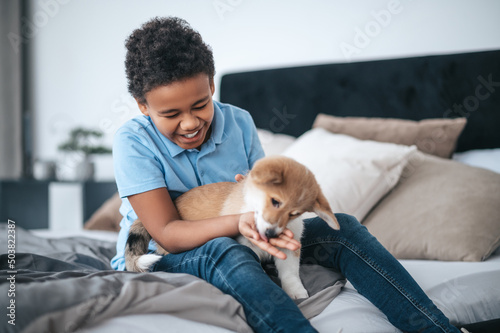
(57, 205)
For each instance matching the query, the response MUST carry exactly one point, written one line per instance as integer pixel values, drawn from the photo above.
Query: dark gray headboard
(287, 100)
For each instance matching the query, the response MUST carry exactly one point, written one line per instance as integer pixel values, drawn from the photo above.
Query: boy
(185, 139)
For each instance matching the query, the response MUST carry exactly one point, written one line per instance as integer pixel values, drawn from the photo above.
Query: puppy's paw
(299, 295)
(297, 292)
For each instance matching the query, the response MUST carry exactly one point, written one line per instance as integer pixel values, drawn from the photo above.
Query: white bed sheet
(466, 292)
(482, 158)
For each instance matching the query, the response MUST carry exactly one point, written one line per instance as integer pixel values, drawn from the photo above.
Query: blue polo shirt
(144, 159)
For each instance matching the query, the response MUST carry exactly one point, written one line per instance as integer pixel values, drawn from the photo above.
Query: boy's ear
(212, 86)
(143, 107)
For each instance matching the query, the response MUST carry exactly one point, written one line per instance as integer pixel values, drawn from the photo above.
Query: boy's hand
(247, 228)
(239, 177)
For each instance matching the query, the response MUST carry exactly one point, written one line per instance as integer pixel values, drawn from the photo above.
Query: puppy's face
(280, 191)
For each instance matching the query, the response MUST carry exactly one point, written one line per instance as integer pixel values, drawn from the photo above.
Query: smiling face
(182, 111)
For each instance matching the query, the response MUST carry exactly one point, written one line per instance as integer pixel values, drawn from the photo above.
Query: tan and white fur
(278, 189)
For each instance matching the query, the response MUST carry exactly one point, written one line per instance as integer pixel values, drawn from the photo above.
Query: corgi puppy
(278, 189)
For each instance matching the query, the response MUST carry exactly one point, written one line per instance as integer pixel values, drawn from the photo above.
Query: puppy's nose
(271, 233)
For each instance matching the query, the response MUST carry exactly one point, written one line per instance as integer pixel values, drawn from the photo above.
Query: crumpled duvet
(66, 284)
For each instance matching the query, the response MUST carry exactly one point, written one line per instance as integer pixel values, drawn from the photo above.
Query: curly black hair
(162, 51)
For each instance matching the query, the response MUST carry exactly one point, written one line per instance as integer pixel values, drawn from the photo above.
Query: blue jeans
(352, 250)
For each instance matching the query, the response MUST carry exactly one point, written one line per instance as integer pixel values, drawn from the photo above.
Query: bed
(414, 149)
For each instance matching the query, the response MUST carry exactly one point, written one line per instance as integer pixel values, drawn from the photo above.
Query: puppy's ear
(267, 173)
(323, 210)
(267, 176)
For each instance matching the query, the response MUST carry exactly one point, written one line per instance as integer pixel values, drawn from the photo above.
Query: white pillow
(353, 174)
(274, 143)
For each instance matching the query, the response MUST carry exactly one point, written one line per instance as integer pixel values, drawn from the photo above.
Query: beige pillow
(107, 217)
(440, 209)
(432, 136)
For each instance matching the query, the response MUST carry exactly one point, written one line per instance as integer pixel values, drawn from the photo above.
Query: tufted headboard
(287, 100)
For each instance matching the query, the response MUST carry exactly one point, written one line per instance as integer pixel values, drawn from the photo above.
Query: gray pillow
(441, 210)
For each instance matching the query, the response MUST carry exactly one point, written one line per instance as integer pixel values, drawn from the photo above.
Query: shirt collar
(217, 136)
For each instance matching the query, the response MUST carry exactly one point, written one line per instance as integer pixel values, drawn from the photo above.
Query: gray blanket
(63, 285)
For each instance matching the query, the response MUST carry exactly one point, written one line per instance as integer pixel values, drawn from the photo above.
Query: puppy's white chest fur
(279, 190)
(288, 269)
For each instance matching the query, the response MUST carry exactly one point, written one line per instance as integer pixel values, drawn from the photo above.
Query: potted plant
(84, 143)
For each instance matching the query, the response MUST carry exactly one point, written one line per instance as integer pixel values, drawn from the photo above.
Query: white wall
(78, 45)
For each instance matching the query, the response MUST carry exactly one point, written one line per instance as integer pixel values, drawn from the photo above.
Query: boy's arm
(160, 218)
